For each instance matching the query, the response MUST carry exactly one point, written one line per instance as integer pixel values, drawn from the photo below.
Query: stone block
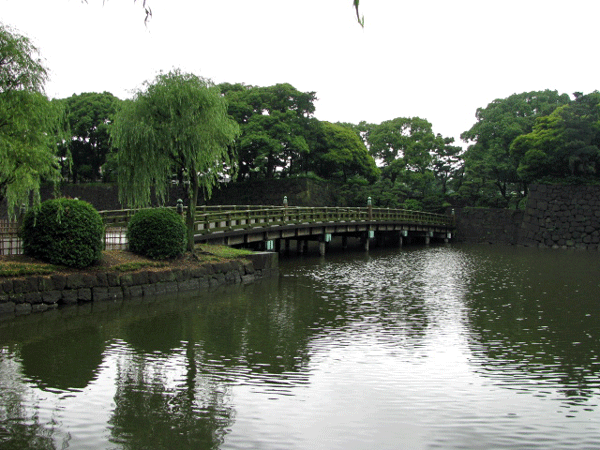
(101, 280)
(132, 291)
(45, 284)
(18, 286)
(112, 279)
(23, 309)
(248, 267)
(69, 297)
(7, 307)
(41, 307)
(6, 286)
(59, 282)
(32, 297)
(115, 292)
(51, 297)
(126, 279)
(148, 290)
(100, 293)
(75, 281)
(84, 294)
(171, 287)
(199, 272)
(188, 285)
(139, 278)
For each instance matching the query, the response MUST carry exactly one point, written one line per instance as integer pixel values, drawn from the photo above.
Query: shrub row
(70, 232)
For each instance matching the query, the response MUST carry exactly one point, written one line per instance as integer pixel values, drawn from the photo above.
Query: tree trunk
(191, 210)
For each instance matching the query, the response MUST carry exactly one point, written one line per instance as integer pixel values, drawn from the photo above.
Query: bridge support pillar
(344, 242)
(400, 239)
(366, 241)
(427, 240)
(278, 245)
(322, 247)
(287, 247)
(299, 246)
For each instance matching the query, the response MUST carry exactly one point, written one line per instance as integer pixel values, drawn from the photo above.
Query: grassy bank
(118, 260)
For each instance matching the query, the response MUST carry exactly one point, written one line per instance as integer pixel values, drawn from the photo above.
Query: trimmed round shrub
(159, 233)
(64, 231)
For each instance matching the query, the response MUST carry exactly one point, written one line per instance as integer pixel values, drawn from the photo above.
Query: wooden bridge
(268, 227)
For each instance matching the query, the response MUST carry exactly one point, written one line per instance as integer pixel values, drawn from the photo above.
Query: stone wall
(299, 191)
(562, 217)
(555, 216)
(488, 225)
(24, 295)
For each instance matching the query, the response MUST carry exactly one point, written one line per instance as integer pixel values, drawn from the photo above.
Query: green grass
(137, 265)
(223, 251)
(12, 269)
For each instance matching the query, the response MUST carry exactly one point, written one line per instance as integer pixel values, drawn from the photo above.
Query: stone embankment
(555, 216)
(25, 295)
(562, 217)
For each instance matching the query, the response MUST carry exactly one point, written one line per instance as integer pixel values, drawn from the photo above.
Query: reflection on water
(449, 347)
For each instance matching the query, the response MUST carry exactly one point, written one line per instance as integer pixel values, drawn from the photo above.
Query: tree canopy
(29, 123)
(89, 116)
(564, 144)
(176, 126)
(340, 154)
(489, 163)
(274, 123)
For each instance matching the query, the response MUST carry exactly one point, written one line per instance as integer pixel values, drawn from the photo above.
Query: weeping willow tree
(29, 123)
(175, 127)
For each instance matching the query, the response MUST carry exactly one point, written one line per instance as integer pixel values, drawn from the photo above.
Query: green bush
(64, 231)
(159, 233)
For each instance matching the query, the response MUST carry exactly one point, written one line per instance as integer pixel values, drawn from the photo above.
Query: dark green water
(453, 347)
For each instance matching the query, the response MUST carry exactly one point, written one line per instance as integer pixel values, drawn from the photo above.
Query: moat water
(441, 347)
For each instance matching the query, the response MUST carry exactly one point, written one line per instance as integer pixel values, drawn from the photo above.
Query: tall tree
(488, 160)
(176, 125)
(339, 153)
(89, 116)
(29, 123)
(275, 123)
(565, 144)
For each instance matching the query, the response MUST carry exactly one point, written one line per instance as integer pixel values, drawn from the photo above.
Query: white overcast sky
(436, 59)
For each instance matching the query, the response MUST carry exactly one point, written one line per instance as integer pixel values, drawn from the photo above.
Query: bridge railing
(214, 221)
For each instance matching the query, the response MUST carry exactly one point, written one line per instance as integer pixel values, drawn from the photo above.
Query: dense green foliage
(29, 122)
(491, 169)
(64, 231)
(159, 233)
(339, 154)
(182, 129)
(562, 145)
(275, 127)
(89, 116)
(176, 127)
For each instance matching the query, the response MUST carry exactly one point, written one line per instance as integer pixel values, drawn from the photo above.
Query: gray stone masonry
(555, 217)
(25, 295)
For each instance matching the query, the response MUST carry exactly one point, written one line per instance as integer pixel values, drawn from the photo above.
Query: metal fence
(115, 238)
(10, 243)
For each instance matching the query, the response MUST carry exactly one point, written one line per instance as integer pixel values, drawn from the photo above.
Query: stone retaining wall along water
(25, 295)
(487, 225)
(562, 217)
